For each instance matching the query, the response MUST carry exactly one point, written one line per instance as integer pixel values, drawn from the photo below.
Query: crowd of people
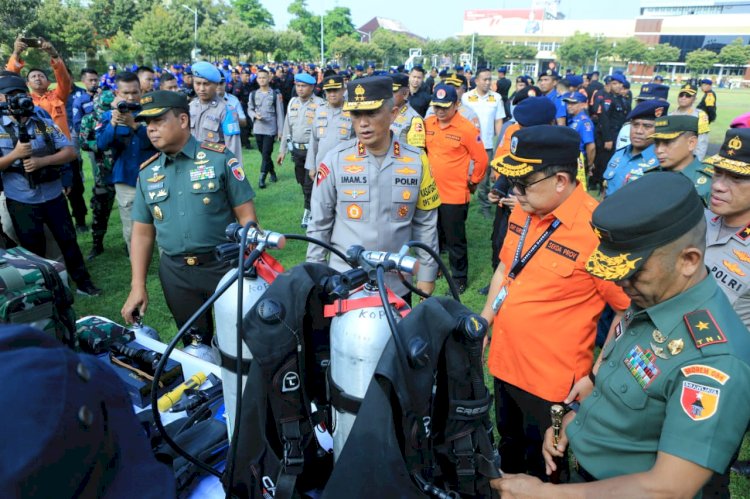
(661, 266)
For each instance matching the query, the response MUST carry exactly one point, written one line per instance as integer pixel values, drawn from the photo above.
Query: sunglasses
(521, 187)
(684, 94)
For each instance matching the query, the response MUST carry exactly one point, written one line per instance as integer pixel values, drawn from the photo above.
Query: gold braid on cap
(610, 268)
(732, 165)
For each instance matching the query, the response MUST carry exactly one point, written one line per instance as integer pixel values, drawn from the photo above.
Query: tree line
(161, 31)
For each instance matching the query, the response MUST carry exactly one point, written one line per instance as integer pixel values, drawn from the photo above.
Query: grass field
(279, 209)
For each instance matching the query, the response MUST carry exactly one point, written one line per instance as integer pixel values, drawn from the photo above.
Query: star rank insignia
(703, 328)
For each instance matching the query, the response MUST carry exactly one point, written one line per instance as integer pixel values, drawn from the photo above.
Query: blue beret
(312, 66)
(658, 77)
(619, 77)
(206, 71)
(359, 67)
(371, 65)
(177, 66)
(706, 81)
(535, 111)
(651, 91)
(607, 79)
(574, 97)
(626, 85)
(458, 67)
(112, 66)
(157, 69)
(76, 419)
(502, 69)
(649, 109)
(304, 78)
(188, 70)
(524, 79)
(444, 73)
(574, 80)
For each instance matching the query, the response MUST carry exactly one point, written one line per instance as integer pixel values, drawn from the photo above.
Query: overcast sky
(444, 18)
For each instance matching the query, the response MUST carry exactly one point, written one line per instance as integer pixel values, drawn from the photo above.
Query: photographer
(31, 152)
(119, 133)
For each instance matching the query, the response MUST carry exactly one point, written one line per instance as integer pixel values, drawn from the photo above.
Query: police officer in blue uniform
(635, 159)
(31, 180)
(578, 120)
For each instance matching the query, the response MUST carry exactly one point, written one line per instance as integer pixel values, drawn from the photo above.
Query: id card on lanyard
(519, 262)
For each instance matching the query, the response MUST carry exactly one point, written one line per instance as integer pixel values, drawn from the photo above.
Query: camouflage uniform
(103, 192)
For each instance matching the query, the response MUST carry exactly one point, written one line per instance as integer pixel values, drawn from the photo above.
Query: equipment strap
(229, 362)
(340, 307)
(339, 399)
(11, 277)
(469, 410)
(268, 267)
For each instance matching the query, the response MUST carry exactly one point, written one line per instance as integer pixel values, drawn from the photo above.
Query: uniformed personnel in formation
(375, 191)
(295, 135)
(675, 139)
(408, 125)
(186, 196)
(211, 120)
(668, 405)
(332, 125)
(728, 233)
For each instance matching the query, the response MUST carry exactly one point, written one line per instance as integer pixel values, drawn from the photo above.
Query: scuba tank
(197, 349)
(358, 337)
(140, 328)
(225, 339)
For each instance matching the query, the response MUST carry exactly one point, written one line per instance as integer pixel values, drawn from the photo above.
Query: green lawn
(279, 208)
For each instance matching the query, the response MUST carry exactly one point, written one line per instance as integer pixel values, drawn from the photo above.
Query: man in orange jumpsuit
(452, 142)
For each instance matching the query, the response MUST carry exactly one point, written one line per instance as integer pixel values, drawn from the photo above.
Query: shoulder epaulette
(149, 160)
(212, 146)
(744, 233)
(703, 328)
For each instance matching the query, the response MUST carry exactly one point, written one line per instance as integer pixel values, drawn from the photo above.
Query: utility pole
(195, 31)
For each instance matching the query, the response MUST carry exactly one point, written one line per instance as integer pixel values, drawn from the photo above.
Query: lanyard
(519, 262)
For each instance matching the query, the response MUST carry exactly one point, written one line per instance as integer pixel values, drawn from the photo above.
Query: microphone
(256, 236)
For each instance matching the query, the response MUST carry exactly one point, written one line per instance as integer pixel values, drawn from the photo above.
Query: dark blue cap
(619, 77)
(443, 73)
(658, 77)
(626, 84)
(534, 111)
(549, 72)
(188, 70)
(649, 110)
(177, 66)
(533, 148)
(523, 78)
(574, 80)
(371, 65)
(607, 79)
(650, 91)
(359, 67)
(574, 97)
(444, 95)
(502, 69)
(72, 431)
(706, 81)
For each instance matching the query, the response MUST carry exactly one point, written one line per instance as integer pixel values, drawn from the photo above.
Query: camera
(19, 106)
(32, 42)
(128, 107)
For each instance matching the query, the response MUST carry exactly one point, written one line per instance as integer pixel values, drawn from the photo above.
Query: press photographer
(119, 133)
(32, 149)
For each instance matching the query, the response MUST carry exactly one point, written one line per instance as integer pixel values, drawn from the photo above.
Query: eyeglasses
(521, 187)
(684, 94)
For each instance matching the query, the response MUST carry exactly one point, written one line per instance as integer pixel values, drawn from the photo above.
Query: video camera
(128, 107)
(18, 106)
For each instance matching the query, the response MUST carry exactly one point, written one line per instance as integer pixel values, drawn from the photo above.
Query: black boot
(262, 182)
(96, 249)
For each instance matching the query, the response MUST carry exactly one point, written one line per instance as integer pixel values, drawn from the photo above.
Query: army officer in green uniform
(669, 401)
(185, 197)
(675, 139)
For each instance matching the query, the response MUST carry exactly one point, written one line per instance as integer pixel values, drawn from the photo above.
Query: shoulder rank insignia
(213, 147)
(744, 233)
(149, 161)
(703, 328)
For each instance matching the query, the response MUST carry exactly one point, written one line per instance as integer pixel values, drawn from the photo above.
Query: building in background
(686, 24)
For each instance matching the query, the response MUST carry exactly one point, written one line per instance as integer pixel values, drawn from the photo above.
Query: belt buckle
(191, 260)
